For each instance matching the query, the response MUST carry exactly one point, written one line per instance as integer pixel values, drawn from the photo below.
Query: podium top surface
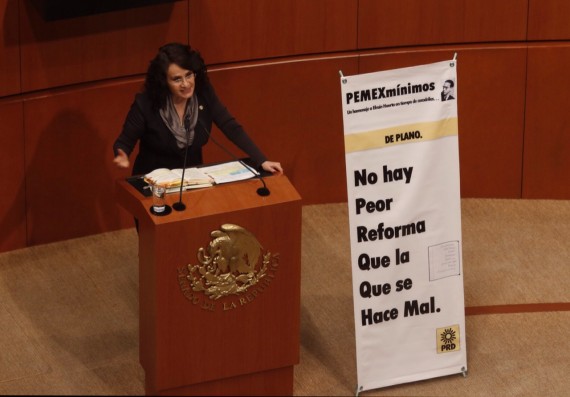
(207, 201)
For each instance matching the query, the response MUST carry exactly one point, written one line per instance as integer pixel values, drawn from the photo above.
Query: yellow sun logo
(448, 336)
(448, 339)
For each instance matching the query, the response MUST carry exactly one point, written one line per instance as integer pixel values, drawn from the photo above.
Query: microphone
(179, 206)
(187, 123)
(262, 191)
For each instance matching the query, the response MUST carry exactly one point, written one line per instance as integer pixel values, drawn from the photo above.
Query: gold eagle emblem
(229, 264)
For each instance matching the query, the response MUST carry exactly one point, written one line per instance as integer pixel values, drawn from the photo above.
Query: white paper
(229, 172)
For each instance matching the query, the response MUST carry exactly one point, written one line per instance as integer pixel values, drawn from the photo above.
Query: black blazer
(158, 148)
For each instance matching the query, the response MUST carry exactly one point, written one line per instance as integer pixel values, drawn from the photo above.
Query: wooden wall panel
(13, 197)
(389, 23)
(70, 177)
(9, 48)
(490, 93)
(548, 20)
(229, 30)
(547, 131)
(102, 46)
(293, 112)
(291, 106)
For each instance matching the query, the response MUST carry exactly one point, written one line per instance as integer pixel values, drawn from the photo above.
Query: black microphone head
(263, 191)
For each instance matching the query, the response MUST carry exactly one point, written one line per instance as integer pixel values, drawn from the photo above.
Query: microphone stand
(262, 191)
(179, 206)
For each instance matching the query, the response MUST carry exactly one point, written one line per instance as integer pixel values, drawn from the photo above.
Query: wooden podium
(205, 330)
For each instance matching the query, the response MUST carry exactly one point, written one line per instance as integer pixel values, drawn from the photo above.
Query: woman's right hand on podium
(121, 160)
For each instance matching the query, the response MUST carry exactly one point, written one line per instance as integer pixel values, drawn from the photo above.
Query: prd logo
(448, 339)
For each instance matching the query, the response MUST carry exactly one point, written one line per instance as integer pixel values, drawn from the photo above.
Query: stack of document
(195, 177)
(171, 179)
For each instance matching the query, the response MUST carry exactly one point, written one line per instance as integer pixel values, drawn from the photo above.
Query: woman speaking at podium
(174, 114)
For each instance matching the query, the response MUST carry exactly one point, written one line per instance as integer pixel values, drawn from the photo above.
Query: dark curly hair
(182, 55)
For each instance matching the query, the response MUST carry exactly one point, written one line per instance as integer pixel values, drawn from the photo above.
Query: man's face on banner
(446, 88)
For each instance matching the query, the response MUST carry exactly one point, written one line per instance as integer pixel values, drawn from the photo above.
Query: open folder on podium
(219, 289)
(199, 177)
(196, 177)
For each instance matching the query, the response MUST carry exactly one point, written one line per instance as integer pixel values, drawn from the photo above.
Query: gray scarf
(172, 121)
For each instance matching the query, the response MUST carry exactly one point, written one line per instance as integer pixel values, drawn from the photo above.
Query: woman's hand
(272, 166)
(121, 160)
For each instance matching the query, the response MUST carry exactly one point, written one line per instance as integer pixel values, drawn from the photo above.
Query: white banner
(402, 167)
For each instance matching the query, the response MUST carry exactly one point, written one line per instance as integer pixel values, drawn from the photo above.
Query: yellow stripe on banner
(402, 134)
